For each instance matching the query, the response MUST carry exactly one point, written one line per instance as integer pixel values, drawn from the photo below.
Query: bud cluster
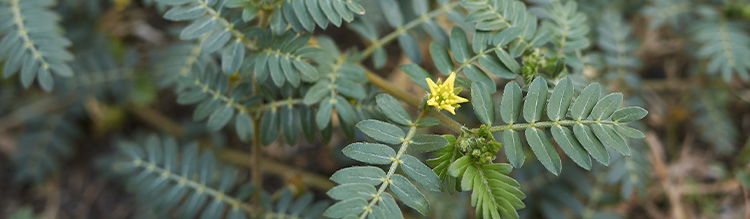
(480, 144)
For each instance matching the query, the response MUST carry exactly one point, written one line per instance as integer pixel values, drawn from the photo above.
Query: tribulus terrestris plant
(387, 108)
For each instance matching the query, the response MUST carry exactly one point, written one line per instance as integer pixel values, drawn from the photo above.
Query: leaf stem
(403, 29)
(549, 124)
(394, 165)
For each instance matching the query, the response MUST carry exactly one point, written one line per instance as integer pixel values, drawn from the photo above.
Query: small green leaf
(534, 103)
(198, 28)
(606, 106)
(482, 103)
(591, 144)
(457, 167)
(323, 116)
(493, 65)
(392, 13)
(459, 45)
(269, 127)
(565, 138)
(543, 150)
(428, 122)
(393, 109)
(392, 211)
(382, 131)
(510, 105)
(244, 127)
(629, 114)
(420, 173)
(427, 143)
(370, 153)
(417, 74)
(350, 89)
(513, 150)
(352, 190)
(585, 102)
(220, 118)
(629, 132)
(408, 194)
(560, 100)
(360, 174)
(440, 57)
(610, 138)
(345, 208)
(317, 92)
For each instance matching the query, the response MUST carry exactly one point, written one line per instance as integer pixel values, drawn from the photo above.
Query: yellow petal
(450, 80)
(431, 84)
(450, 109)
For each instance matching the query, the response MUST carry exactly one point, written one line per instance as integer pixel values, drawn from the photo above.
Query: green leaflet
(393, 109)
(244, 127)
(585, 101)
(513, 150)
(606, 106)
(346, 208)
(408, 194)
(364, 174)
(543, 150)
(561, 97)
(440, 57)
(567, 142)
(32, 43)
(591, 144)
(533, 106)
(420, 173)
(482, 103)
(382, 131)
(493, 192)
(370, 153)
(510, 105)
(352, 191)
(417, 74)
(427, 143)
(592, 123)
(629, 114)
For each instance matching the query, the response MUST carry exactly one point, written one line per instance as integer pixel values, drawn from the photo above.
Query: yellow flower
(443, 96)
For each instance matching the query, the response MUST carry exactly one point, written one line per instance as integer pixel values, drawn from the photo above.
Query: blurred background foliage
(685, 61)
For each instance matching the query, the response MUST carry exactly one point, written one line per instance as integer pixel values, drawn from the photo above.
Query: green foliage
(258, 67)
(306, 14)
(581, 127)
(713, 119)
(46, 144)
(162, 174)
(286, 206)
(357, 192)
(494, 194)
(395, 14)
(726, 46)
(618, 50)
(570, 31)
(32, 44)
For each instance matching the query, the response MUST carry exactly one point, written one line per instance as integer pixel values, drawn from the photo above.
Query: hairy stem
(394, 166)
(403, 29)
(549, 124)
(195, 185)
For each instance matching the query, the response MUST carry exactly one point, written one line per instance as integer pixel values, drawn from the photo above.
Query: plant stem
(549, 124)
(240, 158)
(403, 29)
(256, 167)
(394, 165)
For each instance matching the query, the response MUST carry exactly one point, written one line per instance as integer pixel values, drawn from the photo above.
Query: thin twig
(660, 168)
